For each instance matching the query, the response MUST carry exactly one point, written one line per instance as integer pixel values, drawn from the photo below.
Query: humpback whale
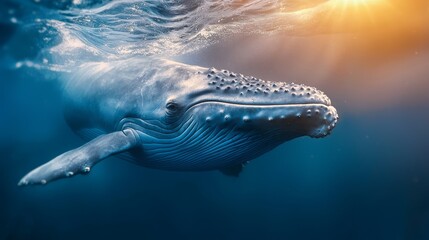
(167, 115)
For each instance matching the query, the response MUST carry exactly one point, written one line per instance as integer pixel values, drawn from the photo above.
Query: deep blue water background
(368, 180)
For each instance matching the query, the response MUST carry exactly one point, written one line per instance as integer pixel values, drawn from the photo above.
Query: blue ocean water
(368, 180)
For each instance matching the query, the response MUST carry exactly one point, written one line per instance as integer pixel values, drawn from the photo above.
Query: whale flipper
(81, 159)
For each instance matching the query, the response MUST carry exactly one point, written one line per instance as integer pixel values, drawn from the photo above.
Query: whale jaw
(291, 120)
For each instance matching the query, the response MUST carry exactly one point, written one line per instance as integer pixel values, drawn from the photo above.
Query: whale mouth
(315, 119)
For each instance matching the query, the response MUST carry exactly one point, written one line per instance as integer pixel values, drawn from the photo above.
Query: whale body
(168, 115)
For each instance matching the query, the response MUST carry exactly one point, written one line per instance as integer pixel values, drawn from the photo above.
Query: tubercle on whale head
(230, 83)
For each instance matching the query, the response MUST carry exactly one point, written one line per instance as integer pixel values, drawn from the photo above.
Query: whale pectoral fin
(233, 171)
(80, 160)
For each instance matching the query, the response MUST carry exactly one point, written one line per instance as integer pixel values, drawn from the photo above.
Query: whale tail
(80, 160)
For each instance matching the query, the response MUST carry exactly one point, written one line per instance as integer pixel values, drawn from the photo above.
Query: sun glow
(354, 2)
(370, 5)
(352, 15)
(307, 17)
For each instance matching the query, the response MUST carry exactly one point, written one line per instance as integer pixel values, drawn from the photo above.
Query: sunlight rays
(360, 13)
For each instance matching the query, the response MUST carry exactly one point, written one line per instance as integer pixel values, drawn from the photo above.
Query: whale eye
(172, 106)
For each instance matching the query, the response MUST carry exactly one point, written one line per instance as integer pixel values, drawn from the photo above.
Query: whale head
(211, 118)
(255, 105)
